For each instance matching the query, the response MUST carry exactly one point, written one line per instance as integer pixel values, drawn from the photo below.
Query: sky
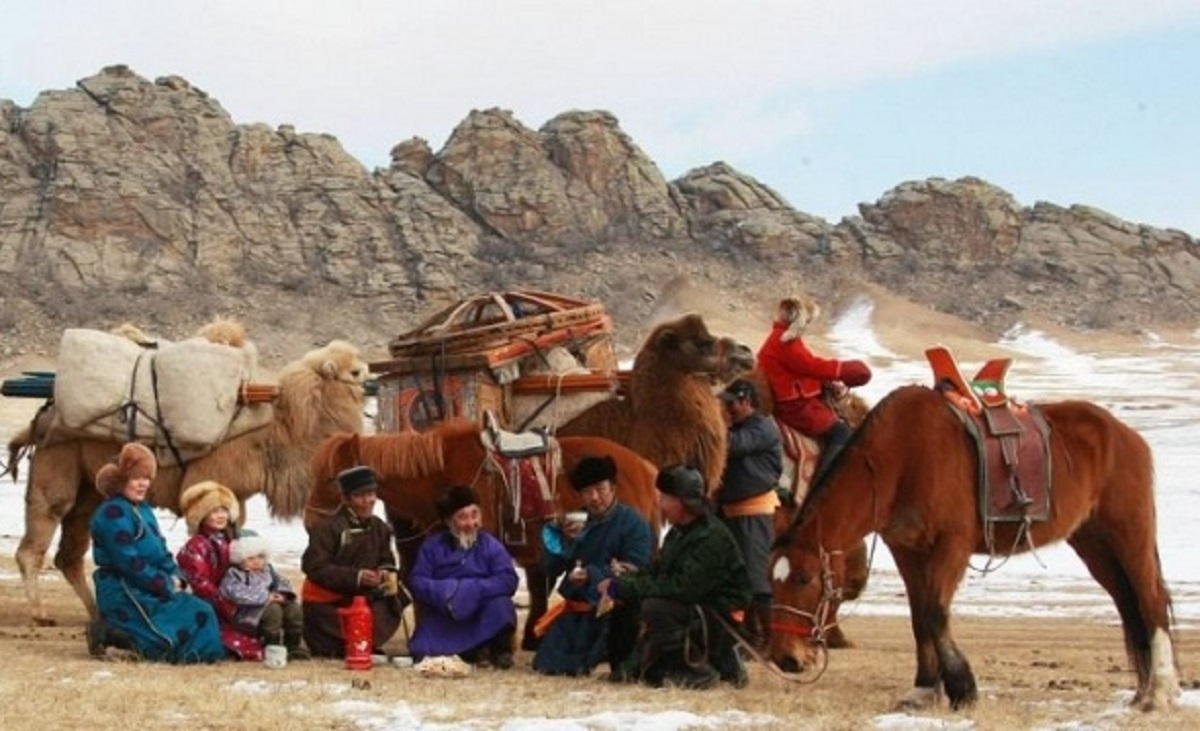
(1088, 102)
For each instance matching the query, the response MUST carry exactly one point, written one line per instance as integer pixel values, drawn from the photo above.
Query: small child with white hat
(265, 601)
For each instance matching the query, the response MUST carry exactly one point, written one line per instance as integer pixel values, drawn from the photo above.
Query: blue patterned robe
(578, 640)
(464, 597)
(135, 587)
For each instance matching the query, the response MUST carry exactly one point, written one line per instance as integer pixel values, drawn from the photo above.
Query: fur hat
(357, 479)
(135, 460)
(684, 483)
(198, 500)
(248, 547)
(455, 499)
(591, 470)
(798, 313)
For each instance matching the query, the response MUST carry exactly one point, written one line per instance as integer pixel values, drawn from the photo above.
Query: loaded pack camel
(320, 394)
(670, 414)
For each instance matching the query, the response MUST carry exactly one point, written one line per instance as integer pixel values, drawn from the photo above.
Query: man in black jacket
(747, 497)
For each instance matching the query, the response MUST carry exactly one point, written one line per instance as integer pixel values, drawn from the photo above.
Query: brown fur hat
(200, 499)
(135, 460)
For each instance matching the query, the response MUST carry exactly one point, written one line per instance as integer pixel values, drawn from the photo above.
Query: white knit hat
(249, 547)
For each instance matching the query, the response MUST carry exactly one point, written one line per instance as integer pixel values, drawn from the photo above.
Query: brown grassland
(1033, 673)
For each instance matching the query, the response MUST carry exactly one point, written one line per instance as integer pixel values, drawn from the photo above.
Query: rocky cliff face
(126, 199)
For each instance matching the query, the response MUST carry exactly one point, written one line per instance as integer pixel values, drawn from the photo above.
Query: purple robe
(464, 598)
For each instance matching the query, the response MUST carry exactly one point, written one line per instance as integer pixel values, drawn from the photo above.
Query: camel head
(737, 360)
(798, 312)
(337, 361)
(685, 345)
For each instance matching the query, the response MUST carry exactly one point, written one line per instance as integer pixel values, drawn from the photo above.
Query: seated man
(798, 379)
(614, 538)
(699, 571)
(463, 584)
(349, 554)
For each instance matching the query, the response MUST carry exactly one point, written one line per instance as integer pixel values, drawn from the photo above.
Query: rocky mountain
(125, 199)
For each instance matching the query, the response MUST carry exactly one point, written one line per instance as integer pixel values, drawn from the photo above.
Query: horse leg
(931, 579)
(43, 512)
(1133, 579)
(539, 598)
(73, 544)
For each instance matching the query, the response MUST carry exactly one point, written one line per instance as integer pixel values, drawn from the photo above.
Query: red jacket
(792, 369)
(203, 561)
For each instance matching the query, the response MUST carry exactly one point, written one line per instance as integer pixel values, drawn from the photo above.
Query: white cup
(275, 656)
(576, 516)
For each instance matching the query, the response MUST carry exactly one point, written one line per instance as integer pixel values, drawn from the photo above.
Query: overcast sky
(829, 103)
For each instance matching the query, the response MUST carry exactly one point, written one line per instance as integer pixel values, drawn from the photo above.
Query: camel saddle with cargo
(1012, 439)
(187, 396)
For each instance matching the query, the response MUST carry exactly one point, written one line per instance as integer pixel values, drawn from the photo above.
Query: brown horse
(414, 469)
(909, 474)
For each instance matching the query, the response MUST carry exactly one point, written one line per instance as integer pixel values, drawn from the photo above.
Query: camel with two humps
(320, 394)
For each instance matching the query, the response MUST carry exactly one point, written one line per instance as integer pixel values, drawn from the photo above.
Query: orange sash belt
(317, 594)
(763, 504)
(557, 610)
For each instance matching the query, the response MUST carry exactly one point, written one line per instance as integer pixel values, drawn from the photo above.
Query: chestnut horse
(415, 469)
(909, 474)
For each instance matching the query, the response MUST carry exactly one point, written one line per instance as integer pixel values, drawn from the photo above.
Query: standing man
(698, 581)
(463, 583)
(748, 500)
(614, 537)
(349, 554)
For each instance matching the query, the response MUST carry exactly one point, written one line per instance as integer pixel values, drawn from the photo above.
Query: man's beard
(465, 540)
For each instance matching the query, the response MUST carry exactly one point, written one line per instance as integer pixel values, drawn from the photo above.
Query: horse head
(806, 585)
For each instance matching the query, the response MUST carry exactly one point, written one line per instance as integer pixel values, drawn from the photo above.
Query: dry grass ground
(1033, 674)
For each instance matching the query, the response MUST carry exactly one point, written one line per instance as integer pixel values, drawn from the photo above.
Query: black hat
(591, 470)
(455, 499)
(740, 389)
(684, 483)
(357, 479)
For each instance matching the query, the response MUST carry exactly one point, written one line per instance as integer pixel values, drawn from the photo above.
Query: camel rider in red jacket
(798, 377)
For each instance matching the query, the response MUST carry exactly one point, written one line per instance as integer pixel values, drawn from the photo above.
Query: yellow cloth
(763, 504)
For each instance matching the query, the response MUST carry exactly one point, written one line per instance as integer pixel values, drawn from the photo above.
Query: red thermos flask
(357, 629)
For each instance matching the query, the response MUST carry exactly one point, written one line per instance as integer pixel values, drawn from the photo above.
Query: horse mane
(882, 413)
(403, 455)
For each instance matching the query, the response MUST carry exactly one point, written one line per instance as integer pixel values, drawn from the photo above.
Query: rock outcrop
(129, 199)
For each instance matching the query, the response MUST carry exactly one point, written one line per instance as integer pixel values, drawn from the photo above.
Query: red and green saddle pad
(987, 388)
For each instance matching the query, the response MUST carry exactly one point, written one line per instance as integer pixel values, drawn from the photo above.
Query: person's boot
(295, 650)
(731, 669)
(682, 674)
(119, 638)
(502, 650)
(96, 636)
(101, 635)
(833, 441)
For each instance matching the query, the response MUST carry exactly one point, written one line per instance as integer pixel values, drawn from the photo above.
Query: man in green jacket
(698, 579)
